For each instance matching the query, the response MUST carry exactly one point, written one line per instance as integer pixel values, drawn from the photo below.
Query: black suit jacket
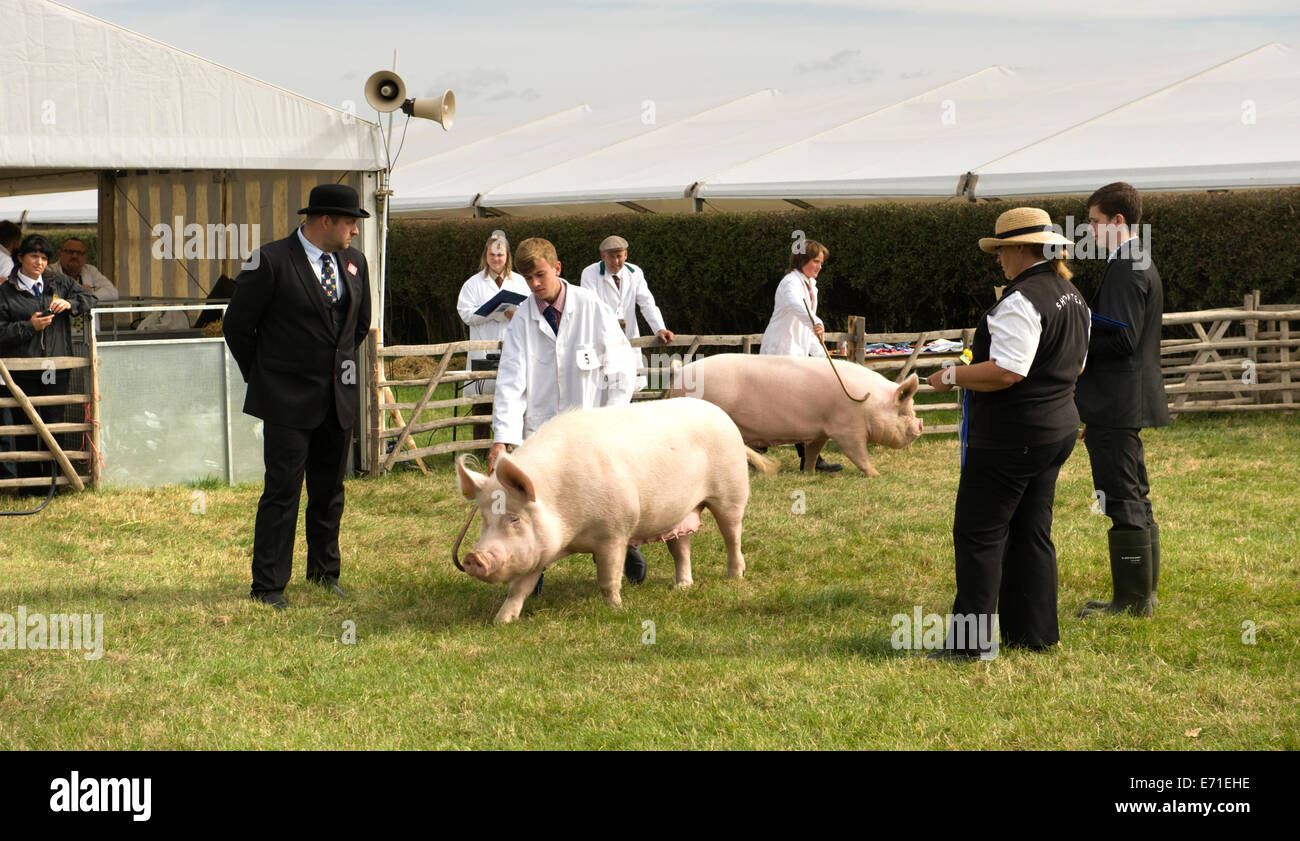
(279, 329)
(1121, 385)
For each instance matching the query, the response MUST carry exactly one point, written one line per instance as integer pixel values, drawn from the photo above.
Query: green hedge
(903, 266)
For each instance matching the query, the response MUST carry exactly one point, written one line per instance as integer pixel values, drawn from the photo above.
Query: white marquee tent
(1203, 122)
(146, 133)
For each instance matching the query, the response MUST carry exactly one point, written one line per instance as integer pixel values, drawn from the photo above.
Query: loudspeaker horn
(440, 109)
(385, 91)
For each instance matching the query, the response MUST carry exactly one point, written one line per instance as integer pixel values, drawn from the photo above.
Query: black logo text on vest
(115, 794)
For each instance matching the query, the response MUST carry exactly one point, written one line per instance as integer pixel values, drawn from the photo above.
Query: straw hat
(1023, 226)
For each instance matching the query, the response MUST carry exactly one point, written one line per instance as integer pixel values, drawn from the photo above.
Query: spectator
(72, 262)
(36, 310)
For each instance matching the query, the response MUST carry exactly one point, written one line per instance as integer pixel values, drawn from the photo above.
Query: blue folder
(1101, 322)
(504, 298)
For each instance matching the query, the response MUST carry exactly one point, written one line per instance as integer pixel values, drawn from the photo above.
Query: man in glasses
(72, 262)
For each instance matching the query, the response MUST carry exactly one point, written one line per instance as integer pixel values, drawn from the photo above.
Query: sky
(522, 59)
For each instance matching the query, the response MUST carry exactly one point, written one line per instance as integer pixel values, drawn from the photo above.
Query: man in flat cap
(298, 312)
(622, 287)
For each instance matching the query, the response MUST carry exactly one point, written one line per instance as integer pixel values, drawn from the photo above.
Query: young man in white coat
(790, 332)
(622, 287)
(562, 350)
(496, 272)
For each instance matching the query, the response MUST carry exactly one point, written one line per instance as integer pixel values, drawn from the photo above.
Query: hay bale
(411, 368)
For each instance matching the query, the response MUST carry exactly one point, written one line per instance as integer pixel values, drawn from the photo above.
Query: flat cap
(614, 243)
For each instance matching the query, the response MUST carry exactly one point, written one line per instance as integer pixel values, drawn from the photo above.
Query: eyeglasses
(72, 253)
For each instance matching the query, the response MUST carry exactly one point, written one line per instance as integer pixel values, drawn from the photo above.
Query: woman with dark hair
(36, 310)
(794, 328)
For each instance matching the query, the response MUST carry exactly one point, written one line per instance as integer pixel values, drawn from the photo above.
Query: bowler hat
(334, 199)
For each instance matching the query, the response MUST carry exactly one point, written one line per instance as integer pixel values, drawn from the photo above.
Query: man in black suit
(293, 324)
(1120, 393)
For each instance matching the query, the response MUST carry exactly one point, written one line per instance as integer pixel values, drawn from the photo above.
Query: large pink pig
(599, 480)
(790, 399)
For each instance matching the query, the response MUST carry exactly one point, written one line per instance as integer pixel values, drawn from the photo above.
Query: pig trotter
(519, 590)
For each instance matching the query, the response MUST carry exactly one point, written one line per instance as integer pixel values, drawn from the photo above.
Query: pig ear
(513, 478)
(470, 482)
(906, 389)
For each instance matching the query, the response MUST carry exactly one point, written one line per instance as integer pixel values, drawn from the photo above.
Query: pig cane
(455, 550)
(812, 321)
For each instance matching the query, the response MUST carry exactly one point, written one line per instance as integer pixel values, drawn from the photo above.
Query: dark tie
(552, 316)
(328, 281)
(618, 284)
(36, 290)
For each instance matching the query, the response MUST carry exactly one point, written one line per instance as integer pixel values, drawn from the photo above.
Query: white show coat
(788, 332)
(589, 363)
(623, 298)
(474, 293)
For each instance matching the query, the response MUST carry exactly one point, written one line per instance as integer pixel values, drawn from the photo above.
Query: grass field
(797, 655)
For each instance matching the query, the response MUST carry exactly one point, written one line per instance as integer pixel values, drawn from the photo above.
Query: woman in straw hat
(1019, 426)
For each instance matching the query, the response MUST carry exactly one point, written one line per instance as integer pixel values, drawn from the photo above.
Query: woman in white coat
(790, 332)
(496, 272)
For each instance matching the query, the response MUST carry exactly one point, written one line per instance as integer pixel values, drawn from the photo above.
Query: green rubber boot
(1131, 571)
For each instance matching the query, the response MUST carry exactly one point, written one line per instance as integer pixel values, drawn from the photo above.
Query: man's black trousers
(1002, 534)
(1119, 471)
(321, 455)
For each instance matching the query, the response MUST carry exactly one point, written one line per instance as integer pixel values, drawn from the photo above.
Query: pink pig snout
(478, 565)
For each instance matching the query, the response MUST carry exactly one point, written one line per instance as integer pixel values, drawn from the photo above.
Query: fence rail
(1235, 360)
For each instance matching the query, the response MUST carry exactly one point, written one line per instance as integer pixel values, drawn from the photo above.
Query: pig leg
(609, 571)
(856, 451)
(519, 590)
(728, 518)
(680, 549)
(811, 450)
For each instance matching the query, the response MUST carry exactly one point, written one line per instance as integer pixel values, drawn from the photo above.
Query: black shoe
(634, 566)
(275, 600)
(537, 588)
(329, 585)
(824, 466)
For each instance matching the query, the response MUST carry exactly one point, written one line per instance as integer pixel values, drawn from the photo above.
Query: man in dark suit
(298, 312)
(1120, 393)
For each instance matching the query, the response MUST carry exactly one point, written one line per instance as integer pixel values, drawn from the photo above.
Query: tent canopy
(82, 95)
(1201, 122)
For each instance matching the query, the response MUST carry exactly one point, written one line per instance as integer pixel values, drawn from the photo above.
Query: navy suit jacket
(1121, 385)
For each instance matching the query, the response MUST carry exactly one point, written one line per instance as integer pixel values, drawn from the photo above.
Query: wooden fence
(1232, 360)
(1223, 360)
(392, 445)
(27, 408)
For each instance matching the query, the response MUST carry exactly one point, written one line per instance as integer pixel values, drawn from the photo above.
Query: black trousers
(1119, 471)
(1002, 534)
(33, 386)
(321, 455)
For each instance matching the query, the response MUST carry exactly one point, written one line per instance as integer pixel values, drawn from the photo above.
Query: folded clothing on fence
(943, 346)
(886, 349)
